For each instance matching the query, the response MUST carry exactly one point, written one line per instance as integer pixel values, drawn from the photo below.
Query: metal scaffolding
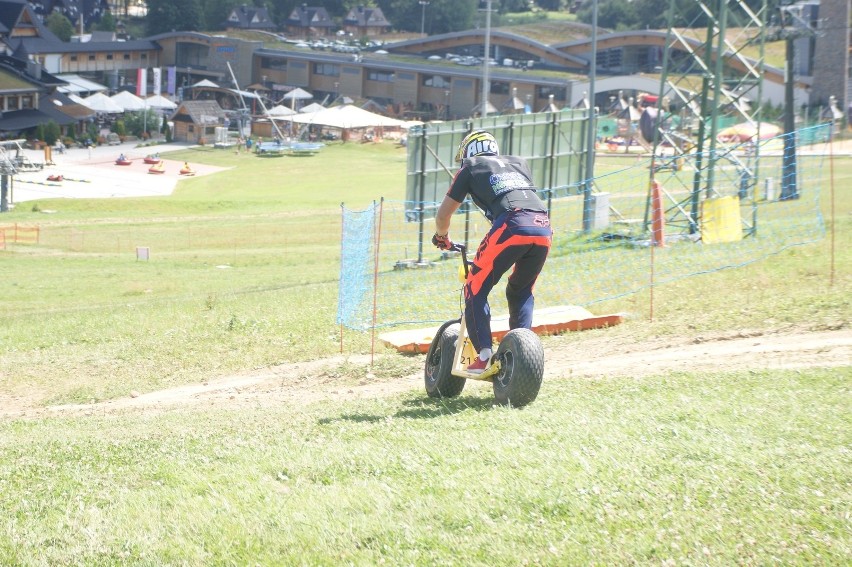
(706, 80)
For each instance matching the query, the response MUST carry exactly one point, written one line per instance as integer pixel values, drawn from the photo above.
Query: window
(12, 103)
(559, 93)
(127, 57)
(109, 56)
(270, 63)
(499, 87)
(73, 58)
(381, 76)
(26, 102)
(326, 69)
(610, 58)
(91, 57)
(144, 56)
(436, 81)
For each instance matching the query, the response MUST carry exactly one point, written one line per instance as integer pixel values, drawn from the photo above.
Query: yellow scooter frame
(465, 353)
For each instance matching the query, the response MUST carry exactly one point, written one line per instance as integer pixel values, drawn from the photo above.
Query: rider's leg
(494, 257)
(477, 319)
(519, 288)
(485, 271)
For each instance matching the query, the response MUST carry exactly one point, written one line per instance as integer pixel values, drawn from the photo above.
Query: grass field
(738, 465)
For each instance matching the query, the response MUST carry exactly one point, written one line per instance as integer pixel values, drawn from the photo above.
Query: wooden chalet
(308, 22)
(363, 21)
(248, 18)
(195, 121)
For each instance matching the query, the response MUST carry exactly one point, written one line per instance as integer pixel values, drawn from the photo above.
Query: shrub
(119, 128)
(51, 133)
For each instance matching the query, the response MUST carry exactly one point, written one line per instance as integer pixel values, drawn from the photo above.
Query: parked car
(112, 139)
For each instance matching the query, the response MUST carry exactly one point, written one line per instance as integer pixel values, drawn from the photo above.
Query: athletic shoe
(478, 366)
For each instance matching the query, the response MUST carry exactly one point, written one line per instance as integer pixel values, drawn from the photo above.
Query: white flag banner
(157, 77)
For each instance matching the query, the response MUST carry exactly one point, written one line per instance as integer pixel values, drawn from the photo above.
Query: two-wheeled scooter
(516, 369)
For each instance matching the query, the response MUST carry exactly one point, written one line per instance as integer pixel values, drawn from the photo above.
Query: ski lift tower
(792, 29)
(7, 170)
(706, 79)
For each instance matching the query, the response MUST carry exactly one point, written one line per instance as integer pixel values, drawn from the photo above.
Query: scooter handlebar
(462, 249)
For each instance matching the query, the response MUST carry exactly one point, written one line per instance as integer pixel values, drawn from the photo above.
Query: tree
(441, 16)
(52, 131)
(216, 11)
(651, 15)
(612, 14)
(167, 15)
(60, 26)
(107, 23)
(450, 16)
(191, 14)
(279, 10)
(142, 122)
(119, 128)
(507, 6)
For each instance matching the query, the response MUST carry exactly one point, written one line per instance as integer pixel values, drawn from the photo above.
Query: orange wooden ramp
(550, 321)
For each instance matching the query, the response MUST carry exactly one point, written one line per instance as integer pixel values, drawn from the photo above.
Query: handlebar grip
(463, 250)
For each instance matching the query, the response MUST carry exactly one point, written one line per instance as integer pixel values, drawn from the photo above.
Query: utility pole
(591, 140)
(7, 170)
(789, 164)
(789, 33)
(423, 4)
(486, 61)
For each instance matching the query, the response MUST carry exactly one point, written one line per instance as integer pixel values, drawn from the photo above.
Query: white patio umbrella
(313, 107)
(297, 94)
(159, 101)
(280, 110)
(347, 116)
(128, 101)
(99, 102)
(205, 83)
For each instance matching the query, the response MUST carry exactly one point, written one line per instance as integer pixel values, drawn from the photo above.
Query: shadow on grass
(422, 408)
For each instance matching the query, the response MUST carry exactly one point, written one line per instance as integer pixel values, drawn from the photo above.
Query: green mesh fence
(747, 214)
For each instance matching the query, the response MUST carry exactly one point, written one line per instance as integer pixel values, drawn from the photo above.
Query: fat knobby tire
(439, 381)
(522, 368)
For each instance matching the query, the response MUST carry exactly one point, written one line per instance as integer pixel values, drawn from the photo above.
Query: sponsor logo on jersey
(508, 181)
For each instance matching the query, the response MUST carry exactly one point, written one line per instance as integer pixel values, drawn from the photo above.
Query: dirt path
(592, 357)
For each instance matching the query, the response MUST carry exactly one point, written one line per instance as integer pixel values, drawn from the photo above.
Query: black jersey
(496, 184)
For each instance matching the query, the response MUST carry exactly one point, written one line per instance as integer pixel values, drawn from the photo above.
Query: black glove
(442, 242)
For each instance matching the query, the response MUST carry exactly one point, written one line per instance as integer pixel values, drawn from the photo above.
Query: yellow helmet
(477, 143)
